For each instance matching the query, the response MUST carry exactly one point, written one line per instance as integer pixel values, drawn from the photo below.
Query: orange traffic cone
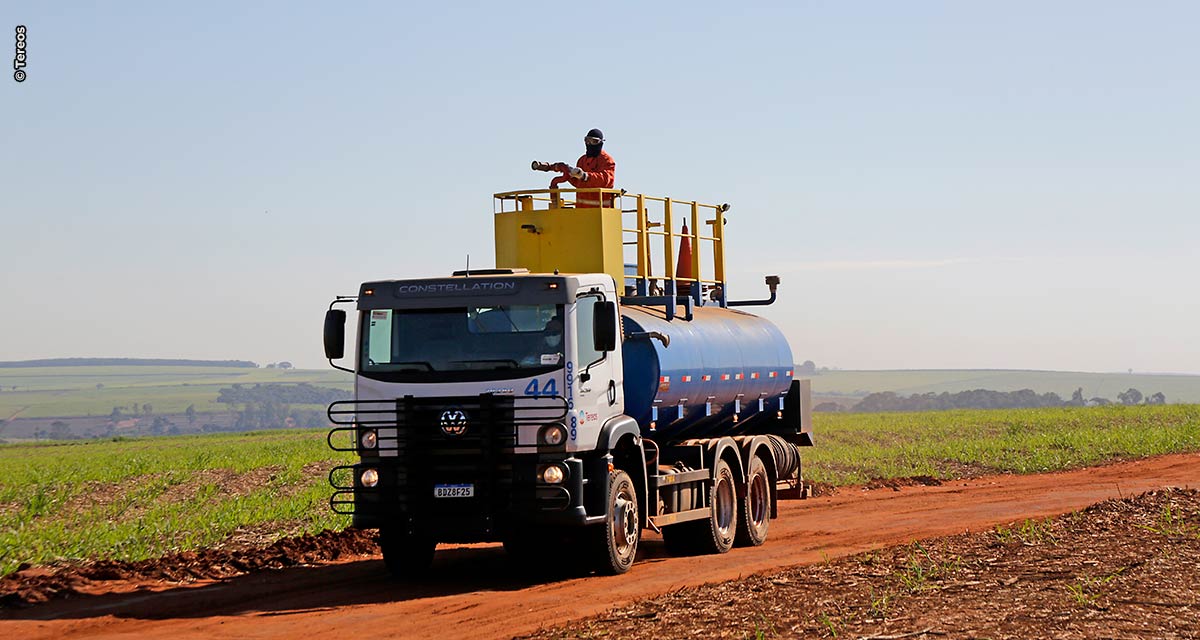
(683, 268)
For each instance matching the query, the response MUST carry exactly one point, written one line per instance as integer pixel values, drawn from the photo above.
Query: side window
(378, 347)
(584, 332)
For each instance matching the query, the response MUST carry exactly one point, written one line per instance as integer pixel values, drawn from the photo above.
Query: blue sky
(939, 184)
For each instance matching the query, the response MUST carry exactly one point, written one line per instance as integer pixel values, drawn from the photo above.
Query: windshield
(462, 339)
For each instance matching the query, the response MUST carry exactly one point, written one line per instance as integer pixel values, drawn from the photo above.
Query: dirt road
(476, 593)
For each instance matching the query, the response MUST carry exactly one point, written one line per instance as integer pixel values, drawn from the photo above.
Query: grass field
(81, 391)
(141, 498)
(1177, 388)
(853, 448)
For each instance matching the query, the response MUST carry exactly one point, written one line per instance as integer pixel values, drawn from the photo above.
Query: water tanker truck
(596, 383)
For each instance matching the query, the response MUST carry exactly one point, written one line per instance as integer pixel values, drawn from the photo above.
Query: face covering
(593, 150)
(553, 341)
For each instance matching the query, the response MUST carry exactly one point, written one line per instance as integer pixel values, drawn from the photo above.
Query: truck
(596, 383)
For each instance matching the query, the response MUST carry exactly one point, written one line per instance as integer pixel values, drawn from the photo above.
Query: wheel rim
(759, 500)
(625, 524)
(724, 506)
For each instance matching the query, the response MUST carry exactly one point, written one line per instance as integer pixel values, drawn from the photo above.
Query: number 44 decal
(547, 388)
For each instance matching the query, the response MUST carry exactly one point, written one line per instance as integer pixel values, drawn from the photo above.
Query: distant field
(141, 498)
(1177, 388)
(81, 391)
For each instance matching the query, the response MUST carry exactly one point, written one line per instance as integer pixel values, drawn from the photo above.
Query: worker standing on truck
(596, 170)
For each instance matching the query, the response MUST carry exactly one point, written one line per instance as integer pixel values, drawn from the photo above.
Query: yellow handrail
(643, 229)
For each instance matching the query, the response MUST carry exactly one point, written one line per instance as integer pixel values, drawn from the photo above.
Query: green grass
(853, 448)
(73, 391)
(1177, 388)
(140, 498)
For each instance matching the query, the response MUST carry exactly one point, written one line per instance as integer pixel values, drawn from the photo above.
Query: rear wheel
(406, 555)
(621, 531)
(754, 509)
(716, 533)
(723, 521)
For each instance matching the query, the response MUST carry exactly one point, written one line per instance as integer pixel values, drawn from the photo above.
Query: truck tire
(714, 534)
(723, 519)
(618, 538)
(405, 555)
(754, 509)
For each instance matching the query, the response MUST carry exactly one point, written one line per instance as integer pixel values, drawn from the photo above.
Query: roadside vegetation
(133, 499)
(853, 448)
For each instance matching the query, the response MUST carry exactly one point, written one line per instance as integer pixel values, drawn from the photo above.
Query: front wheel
(621, 531)
(405, 555)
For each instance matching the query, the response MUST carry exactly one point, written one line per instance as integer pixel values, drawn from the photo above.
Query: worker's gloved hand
(560, 167)
(577, 173)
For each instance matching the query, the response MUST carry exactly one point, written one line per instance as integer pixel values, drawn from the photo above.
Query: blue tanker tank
(718, 370)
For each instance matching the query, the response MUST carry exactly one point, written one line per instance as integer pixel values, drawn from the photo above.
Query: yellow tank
(543, 231)
(559, 237)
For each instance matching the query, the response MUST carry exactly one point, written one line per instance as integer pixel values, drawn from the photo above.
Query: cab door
(598, 374)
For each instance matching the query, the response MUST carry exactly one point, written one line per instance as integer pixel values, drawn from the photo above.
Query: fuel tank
(719, 369)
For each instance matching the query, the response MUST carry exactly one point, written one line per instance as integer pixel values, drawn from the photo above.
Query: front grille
(430, 441)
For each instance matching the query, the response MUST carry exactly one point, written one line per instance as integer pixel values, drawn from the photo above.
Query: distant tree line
(267, 406)
(986, 399)
(303, 393)
(126, 362)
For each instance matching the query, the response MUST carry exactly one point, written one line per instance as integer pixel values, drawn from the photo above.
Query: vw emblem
(454, 422)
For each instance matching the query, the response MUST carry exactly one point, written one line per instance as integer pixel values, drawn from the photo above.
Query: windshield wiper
(512, 364)
(428, 367)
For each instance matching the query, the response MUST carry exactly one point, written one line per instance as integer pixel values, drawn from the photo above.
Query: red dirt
(477, 593)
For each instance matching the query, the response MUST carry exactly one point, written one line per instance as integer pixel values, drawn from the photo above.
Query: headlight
(369, 478)
(369, 439)
(553, 435)
(552, 474)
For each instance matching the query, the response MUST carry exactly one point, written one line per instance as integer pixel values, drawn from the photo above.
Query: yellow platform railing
(655, 218)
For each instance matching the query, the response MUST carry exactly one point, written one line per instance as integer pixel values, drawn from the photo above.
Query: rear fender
(726, 448)
(760, 446)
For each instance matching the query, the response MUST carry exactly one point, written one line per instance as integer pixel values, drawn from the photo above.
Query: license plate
(453, 490)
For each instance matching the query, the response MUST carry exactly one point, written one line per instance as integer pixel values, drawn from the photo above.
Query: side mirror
(604, 325)
(335, 333)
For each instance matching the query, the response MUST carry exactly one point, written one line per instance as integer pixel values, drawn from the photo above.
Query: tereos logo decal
(453, 422)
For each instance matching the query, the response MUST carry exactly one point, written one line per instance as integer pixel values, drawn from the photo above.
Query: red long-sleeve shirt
(601, 172)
